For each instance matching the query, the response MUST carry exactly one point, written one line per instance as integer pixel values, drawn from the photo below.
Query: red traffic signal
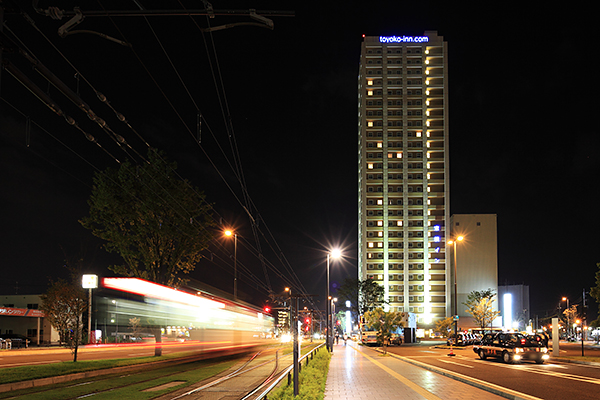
(267, 309)
(307, 321)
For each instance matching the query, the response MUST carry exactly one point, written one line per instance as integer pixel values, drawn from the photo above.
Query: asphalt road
(552, 380)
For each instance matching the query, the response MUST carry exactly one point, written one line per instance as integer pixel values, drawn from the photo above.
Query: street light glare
(460, 238)
(336, 253)
(228, 232)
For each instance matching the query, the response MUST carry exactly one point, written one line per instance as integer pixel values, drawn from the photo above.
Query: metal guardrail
(287, 372)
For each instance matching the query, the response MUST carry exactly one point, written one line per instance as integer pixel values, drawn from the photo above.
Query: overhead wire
(236, 169)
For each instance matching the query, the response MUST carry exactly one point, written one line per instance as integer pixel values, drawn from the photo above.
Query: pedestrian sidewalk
(357, 372)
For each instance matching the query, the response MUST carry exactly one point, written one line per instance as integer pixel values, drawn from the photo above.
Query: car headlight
(545, 357)
(517, 357)
(544, 349)
(518, 350)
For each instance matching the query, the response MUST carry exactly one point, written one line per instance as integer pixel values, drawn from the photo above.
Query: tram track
(185, 380)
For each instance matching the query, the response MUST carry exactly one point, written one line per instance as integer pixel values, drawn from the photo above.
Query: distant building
(403, 181)
(476, 259)
(515, 311)
(20, 314)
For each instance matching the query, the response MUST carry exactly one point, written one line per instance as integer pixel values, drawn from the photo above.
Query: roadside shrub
(311, 381)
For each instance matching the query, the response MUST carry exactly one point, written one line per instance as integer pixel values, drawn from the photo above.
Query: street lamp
(90, 282)
(457, 239)
(335, 253)
(230, 233)
(568, 319)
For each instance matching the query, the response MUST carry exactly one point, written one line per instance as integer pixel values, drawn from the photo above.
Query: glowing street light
(568, 316)
(90, 282)
(230, 233)
(335, 253)
(459, 238)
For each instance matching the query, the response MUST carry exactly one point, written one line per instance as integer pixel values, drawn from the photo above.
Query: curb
(7, 387)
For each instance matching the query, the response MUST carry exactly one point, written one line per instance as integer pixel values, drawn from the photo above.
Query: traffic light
(307, 321)
(267, 309)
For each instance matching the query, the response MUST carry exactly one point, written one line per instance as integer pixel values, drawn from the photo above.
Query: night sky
(522, 96)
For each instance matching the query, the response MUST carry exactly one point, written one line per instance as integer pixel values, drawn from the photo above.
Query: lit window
(398, 155)
(428, 144)
(428, 188)
(380, 234)
(369, 93)
(370, 166)
(427, 71)
(428, 155)
(436, 238)
(370, 83)
(427, 123)
(428, 134)
(379, 223)
(436, 228)
(427, 82)
(399, 223)
(370, 124)
(427, 113)
(379, 244)
(370, 244)
(428, 176)
(426, 61)
(428, 165)
(379, 202)
(379, 144)
(427, 102)
(428, 202)
(390, 155)
(427, 51)
(427, 92)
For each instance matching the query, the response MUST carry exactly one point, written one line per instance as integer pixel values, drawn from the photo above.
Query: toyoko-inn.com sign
(403, 39)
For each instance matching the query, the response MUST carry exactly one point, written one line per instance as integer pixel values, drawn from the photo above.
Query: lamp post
(333, 301)
(335, 254)
(457, 239)
(568, 318)
(231, 233)
(89, 282)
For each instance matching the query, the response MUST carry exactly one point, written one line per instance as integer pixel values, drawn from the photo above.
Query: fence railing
(264, 391)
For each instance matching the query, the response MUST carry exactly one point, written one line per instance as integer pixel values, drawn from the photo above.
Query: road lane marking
(455, 363)
(478, 383)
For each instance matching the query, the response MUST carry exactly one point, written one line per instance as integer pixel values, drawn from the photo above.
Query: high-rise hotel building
(403, 172)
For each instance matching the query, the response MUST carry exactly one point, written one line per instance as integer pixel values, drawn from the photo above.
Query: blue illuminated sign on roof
(403, 39)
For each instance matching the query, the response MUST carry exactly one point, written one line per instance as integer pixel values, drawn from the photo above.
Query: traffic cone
(451, 352)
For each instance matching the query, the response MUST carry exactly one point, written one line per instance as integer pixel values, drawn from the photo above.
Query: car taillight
(522, 341)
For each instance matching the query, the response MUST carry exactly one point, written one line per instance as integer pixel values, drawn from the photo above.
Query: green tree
(370, 295)
(480, 304)
(444, 326)
(348, 291)
(385, 323)
(64, 304)
(157, 223)
(595, 293)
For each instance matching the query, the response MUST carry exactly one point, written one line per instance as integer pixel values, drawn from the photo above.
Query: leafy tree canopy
(595, 293)
(371, 295)
(158, 223)
(64, 304)
(385, 323)
(480, 304)
(444, 326)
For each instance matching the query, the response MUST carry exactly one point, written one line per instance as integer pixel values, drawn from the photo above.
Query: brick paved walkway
(356, 372)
